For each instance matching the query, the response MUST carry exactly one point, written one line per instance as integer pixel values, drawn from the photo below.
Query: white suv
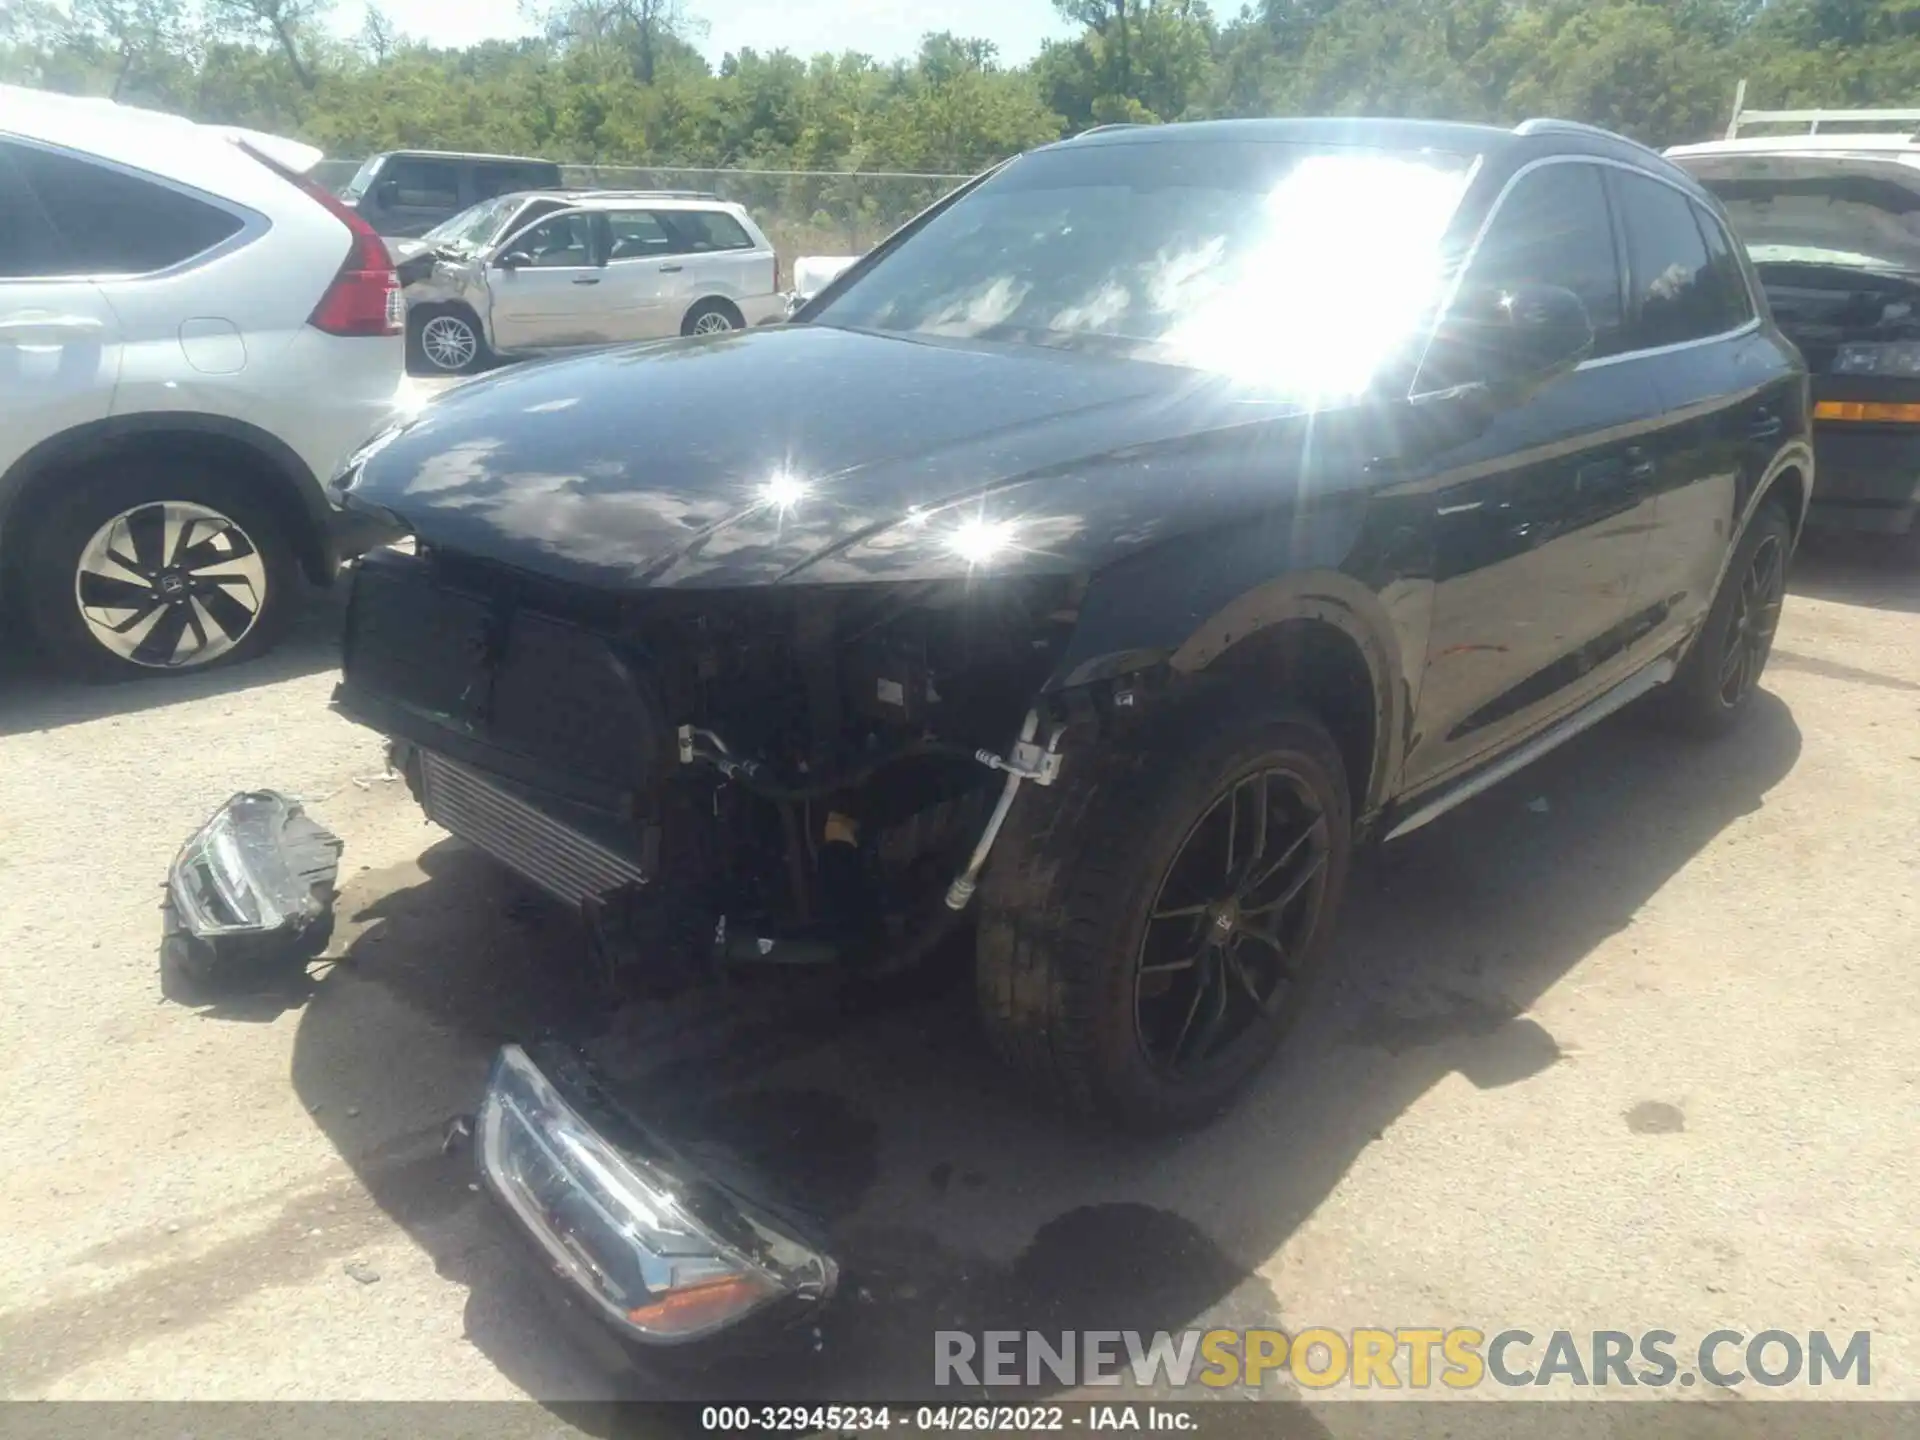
(543, 271)
(192, 338)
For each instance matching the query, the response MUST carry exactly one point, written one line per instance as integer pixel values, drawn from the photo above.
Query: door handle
(586, 279)
(1766, 425)
(670, 269)
(1628, 470)
(48, 329)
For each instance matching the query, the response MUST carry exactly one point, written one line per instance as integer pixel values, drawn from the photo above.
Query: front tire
(1720, 676)
(1110, 971)
(445, 342)
(148, 569)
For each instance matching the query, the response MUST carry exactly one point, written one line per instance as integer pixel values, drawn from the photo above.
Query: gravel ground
(1627, 1043)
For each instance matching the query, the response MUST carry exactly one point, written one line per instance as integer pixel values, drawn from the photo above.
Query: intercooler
(559, 859)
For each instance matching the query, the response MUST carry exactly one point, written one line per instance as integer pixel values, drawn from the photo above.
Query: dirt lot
(1627, 1043)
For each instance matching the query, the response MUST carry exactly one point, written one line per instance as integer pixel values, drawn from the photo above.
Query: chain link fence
(804, 212)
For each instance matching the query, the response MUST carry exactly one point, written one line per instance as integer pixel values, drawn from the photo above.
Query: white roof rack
(1813, 119)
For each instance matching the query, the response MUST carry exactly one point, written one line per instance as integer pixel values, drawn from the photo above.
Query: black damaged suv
(1102, 559)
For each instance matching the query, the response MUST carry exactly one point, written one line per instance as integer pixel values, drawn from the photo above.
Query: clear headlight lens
(619, 1227)
(246, 868)
(1900, 358)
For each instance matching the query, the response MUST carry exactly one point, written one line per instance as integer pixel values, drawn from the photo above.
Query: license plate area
(419, 644)
(562, 694)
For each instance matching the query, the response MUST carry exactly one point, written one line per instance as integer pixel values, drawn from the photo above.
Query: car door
(546, 286)
(60, 341)
(646, 275)
(1539, 519)
(1727, 386)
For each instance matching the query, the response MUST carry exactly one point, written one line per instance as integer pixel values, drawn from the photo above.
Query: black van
(408, 192)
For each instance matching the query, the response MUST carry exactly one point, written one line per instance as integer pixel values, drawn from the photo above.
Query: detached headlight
(259, 865)
(665, 1256)
(1901, 358)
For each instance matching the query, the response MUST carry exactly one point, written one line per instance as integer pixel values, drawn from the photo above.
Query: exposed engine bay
(791, 775)
(1825, 308)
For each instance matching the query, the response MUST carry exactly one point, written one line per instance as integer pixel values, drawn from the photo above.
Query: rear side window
(1553, 228)
(27, 247)
(110, 222)
(1725, 276)
(636, 234)
(421, 184)
(490, 180)
(1675, 296)
(709, 230)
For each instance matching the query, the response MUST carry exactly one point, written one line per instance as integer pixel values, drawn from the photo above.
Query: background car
(1829, 219)
(408, 192)
(193, 337)
(529, 274)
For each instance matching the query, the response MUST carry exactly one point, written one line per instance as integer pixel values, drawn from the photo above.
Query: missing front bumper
(663, 1253)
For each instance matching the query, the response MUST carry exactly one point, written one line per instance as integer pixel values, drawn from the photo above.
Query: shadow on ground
(1881, 572)
(32, 698)
(950, 1201)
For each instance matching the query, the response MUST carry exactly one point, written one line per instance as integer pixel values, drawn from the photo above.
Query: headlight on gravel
(258, 865)
(662, 1263)
(1901, 358)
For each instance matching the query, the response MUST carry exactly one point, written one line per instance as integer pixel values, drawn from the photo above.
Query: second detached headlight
(1899, 359)
(627, 1230)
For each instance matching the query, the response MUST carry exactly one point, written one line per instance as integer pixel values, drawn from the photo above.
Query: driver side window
(565, 241)
(1552, 228)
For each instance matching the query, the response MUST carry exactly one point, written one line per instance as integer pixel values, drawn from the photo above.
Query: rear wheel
(1153, 924)
(1717, 681)
(712, 317)
(158, 568)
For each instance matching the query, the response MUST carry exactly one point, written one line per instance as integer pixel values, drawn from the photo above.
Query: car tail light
(364, 298)
(776, 273)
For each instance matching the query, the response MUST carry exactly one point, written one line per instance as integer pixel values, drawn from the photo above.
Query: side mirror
(513, 260)
(1522, 337)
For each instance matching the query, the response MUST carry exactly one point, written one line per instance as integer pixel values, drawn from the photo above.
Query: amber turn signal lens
(700, 1307)
(1869, 412)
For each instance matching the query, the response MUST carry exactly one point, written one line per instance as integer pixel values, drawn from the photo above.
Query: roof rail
(1543, 125)
(609, 191)
(1813, 119)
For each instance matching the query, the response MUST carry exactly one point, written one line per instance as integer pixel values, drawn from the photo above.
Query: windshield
(1294, 266)
(1857, 221)
(362, 178)
(473, 227)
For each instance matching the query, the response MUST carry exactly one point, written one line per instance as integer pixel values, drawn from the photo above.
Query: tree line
(623, 82)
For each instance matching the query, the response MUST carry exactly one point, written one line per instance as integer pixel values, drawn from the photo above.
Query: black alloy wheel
(1756, 616)
(1720, 674)
(1153, 924)
(1223, 943)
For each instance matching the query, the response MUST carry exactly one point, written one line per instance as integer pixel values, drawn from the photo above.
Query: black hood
(814, 455)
